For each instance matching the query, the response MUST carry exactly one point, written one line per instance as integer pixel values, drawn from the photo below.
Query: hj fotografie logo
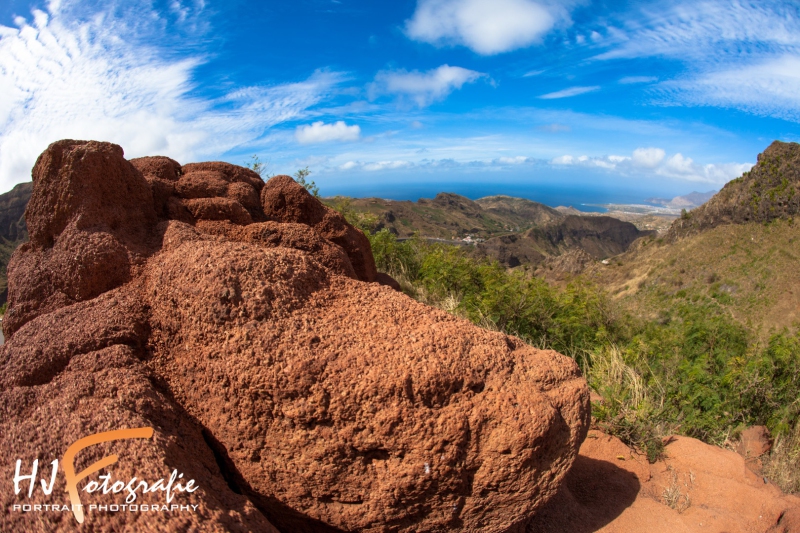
(106, 485)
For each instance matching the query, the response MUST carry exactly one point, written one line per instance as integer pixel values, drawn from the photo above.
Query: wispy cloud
(485, 26)
(692, 30)
(628, 80)
(532, 73)
(555, 128)
(743, 55)
(422, 88)
(319, 132)
(375, 166)
(768, 88)
(567, 93)
(100, 76)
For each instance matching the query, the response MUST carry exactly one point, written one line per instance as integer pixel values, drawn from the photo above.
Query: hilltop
(740, 250)
(452, 216)
(767, 192)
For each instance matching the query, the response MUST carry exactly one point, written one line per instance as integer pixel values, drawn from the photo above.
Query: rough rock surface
(240, 321)
(696, 488)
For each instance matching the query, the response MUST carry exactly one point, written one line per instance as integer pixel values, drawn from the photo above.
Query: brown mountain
(597, 236)
(521, 210)
(13, 230)
(771, 190)
(449, 215)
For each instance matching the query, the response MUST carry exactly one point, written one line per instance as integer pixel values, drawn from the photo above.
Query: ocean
(584, 197)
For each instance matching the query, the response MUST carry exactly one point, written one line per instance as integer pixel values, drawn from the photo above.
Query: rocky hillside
(597, 236)
(520, 210)
(740, 250)
(13, 230)
(242, 325)
(771, 190)
(449, 216)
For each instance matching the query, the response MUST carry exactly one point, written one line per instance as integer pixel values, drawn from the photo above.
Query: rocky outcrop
(770, 190)
(241, 322)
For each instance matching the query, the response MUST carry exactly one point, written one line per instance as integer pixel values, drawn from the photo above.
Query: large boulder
(295, 390)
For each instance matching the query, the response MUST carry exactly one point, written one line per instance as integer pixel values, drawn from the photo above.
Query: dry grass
(676, 494)
(752, 270)
(783, 464)
(610, 370)
(630, 405)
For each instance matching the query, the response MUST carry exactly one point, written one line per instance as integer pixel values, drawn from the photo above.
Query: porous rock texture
(244, 323)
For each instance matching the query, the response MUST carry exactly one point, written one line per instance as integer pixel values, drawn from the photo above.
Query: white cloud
(648, 157)
(572, 91)
(100, 76)
(375, 166)
(423, 88)
(678, 164)
(319, 132)
(485, 26)
(685, 168)
(627, 80)
(563, 160)
(518, 160)
(651, 163)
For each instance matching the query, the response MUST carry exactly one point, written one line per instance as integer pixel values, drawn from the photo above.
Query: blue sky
(402, 98)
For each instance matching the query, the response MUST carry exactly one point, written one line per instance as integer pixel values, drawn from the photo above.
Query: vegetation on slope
(752, 271)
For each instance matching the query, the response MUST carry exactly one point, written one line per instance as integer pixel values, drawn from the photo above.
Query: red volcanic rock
(291, 390)
(284, 200)
(754, 442)
(158, 167)
(696, 488)
(90, 218)
(389, 281)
